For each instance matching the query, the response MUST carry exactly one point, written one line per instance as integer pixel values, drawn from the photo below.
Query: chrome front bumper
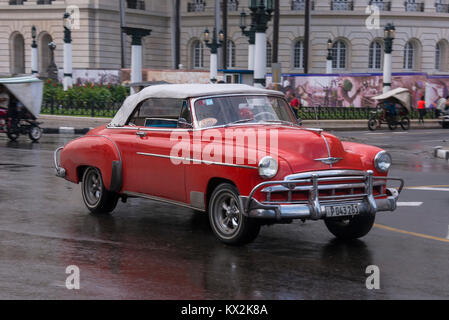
(60, 172)
(315, 208)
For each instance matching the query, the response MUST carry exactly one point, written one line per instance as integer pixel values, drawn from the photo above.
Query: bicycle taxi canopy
(27, 90)
(400, 95)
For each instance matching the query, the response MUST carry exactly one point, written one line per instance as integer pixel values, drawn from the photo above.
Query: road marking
(375, 133)
(428, 189)
(447, 233)
(415, 234)
(401, 132)
(409, 204)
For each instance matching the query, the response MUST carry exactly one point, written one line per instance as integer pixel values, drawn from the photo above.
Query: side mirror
(182, 123)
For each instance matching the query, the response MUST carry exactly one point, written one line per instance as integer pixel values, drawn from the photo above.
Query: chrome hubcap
(93, 187)
(227, 214)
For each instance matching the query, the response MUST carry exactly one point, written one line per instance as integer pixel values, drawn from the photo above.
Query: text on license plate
(342, 210)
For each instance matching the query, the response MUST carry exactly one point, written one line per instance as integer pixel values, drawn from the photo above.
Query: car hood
(303, 148)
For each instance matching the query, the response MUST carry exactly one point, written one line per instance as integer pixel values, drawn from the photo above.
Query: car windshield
(222, 111)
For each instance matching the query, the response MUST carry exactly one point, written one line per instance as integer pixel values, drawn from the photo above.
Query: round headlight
(382, 161)
(268, 167)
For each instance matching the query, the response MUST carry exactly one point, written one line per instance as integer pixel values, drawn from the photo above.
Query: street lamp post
(213, 45)
(34, 54)
(250, 34)
(262, 15)
(329, 57)
(389, 34)
(52, 69)
(67, 52)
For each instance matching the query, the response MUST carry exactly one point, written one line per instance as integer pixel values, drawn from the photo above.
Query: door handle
(141, 134)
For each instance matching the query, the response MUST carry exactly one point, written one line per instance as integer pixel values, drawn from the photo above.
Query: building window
(375, 55)
(269, 54)
(44, 1)
(16, 2)
(409, 56)
(197, 55)
(300, 5)
(414, 6)
(298, 55)
(17, 54)
(231, 54)
(233, 5)
(339, 55)
(136, 4)
(342, 5)
(196, 6)
(438, 57)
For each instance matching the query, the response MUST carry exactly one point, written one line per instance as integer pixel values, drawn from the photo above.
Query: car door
(156, 171)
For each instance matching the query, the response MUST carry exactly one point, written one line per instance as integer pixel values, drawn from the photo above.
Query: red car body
(140, 161)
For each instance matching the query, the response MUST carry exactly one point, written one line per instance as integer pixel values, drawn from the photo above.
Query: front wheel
(227, 219)
(35, 133)
(372, 124)
(351, 228)
(96, 198)
(12, 133)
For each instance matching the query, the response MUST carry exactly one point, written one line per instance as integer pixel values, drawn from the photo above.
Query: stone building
(421, 43)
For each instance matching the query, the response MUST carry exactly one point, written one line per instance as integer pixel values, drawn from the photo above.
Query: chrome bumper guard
(60, 172)
(315, 207)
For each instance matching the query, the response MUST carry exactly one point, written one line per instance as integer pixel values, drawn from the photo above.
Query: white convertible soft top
(182, 91)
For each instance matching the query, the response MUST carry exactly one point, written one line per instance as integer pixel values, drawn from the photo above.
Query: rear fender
(93, 151)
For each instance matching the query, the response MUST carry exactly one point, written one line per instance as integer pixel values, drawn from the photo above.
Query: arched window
(45, 54)
(231, 54)
(339, 55)
(409, 56)
(438, 55)
(197, 55)
(269, 54)
(17, 54)
(298, 55)
(375, 55)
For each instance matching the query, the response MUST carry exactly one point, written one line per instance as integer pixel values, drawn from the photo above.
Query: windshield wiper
(239, 121)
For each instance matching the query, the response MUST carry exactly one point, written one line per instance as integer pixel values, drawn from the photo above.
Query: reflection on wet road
(148, 250)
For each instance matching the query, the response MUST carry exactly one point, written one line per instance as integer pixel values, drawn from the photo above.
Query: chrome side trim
(159, 199)
(326, 173)
(196, 160)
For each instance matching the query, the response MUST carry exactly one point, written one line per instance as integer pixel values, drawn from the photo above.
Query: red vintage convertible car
(235, 152)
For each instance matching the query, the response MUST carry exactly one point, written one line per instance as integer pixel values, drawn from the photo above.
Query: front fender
(93, 151)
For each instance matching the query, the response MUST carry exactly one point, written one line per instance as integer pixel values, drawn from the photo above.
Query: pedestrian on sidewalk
(422, 109)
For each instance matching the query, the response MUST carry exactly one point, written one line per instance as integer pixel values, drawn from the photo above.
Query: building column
(251, 53)
(68, 78)
(136, 52)
(260, 60)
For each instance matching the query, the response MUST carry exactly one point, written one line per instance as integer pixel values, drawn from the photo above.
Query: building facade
(421, 43)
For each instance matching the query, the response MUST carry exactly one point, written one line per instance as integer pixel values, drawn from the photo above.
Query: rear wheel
(227, 219)
(351, 228)
(13, 133)
(96, 198)
(405, 123)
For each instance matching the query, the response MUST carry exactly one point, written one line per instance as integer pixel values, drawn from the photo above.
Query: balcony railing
(338, 5)
(382, 5)
(197, 6)
(443, 8)
(300, 5)
(414, 7)
(16, 2)
(136, 4)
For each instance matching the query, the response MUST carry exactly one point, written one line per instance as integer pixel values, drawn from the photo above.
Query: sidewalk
(81, 125)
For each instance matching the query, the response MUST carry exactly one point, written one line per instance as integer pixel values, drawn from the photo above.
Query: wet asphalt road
(147, 250)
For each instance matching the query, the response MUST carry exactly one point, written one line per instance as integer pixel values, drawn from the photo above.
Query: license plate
(342, 210)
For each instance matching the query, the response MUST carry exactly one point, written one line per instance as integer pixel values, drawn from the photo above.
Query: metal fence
(92, 109)
(305, 113)
(339, 113)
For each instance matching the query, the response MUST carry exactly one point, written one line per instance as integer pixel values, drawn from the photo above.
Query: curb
(441, 153)
(66, 130)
